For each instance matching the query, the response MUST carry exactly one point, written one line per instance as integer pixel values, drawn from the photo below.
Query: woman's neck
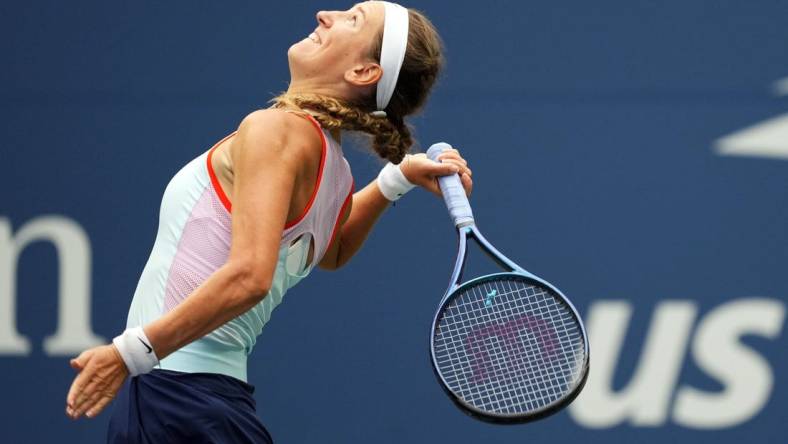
(336, 133)
(310, 86)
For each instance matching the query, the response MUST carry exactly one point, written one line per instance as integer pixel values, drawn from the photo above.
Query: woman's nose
(324, 18)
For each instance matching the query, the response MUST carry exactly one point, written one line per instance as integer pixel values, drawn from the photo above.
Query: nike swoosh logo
(146, 345)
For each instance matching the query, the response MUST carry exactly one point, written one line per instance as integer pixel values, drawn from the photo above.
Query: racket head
(509, 348)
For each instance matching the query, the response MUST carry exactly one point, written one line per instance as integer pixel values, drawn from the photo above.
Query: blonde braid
(391, 140)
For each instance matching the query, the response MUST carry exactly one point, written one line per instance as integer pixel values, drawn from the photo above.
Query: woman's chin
(300, 50)
(298, 62)
(293, 49)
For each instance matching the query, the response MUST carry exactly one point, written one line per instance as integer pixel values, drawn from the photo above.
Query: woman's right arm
(267, 153)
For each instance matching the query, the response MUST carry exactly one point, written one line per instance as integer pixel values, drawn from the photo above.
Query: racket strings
(509, 346)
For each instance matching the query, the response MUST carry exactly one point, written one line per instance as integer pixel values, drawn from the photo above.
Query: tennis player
(248, 219)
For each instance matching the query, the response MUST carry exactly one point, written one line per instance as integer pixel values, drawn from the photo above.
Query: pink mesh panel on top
(336, 184)
(204, 245)
(203, 248)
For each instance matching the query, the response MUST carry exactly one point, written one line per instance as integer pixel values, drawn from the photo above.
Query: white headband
(392, 53)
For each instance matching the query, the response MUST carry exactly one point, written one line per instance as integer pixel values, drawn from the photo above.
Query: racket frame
(464, 231)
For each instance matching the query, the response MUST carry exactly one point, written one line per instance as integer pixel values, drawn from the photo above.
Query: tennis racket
(507, 347)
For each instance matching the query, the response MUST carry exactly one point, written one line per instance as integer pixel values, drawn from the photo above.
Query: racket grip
(453, 192)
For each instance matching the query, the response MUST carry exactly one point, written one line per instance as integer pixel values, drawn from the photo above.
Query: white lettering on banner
(745, 375)
(646, 398)
(781, 87)
(764, 139)
(73, 333)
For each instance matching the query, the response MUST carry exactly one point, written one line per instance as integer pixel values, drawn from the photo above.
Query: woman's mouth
(314, 37)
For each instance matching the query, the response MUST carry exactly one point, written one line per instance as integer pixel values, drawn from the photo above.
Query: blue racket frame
(516, 272)
(460, 211)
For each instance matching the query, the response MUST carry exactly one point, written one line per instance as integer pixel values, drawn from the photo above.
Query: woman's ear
(364, 74)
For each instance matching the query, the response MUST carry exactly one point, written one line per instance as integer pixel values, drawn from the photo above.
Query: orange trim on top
(217, 187)
(323, 153)
(348, 199)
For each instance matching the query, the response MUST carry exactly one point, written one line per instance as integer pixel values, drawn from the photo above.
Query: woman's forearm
(226, 294)
(368, 205)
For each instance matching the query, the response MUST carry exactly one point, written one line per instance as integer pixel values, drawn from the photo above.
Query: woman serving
(248, 219)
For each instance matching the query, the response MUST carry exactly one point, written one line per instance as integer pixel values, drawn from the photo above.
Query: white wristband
(392, 183)
(136, 351)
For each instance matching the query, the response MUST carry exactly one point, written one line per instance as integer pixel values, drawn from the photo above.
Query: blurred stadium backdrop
(643, 146)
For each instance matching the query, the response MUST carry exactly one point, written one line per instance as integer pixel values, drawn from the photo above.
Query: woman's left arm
(369, 203)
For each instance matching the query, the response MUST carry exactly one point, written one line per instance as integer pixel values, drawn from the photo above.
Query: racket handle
(453, 192)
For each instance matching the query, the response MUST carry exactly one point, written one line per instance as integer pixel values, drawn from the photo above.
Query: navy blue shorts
(165, 406)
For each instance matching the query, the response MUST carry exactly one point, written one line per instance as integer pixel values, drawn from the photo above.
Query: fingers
(445, 168)
(76, 394)
(75, 365)
(462, 168)
(452, 156)
(433, 187)
(96, 409)
(89, 394)
(89, 401)
(95, 399)
(103, 395)
(79, 364)
(423, 171)
(467, 183)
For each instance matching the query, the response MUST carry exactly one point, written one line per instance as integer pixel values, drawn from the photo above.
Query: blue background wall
(594, 131)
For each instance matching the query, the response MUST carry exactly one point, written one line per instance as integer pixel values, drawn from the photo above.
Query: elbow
(343, 257)
(333, 264)
(341, 262)
(253, 280)
(337, 257)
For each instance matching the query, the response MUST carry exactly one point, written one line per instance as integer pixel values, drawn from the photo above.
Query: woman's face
(336, 54)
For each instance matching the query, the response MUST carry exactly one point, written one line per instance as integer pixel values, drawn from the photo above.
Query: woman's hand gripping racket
(507, 347)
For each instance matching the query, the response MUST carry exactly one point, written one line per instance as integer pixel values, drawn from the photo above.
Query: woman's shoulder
(293, 130)
(277, 120)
